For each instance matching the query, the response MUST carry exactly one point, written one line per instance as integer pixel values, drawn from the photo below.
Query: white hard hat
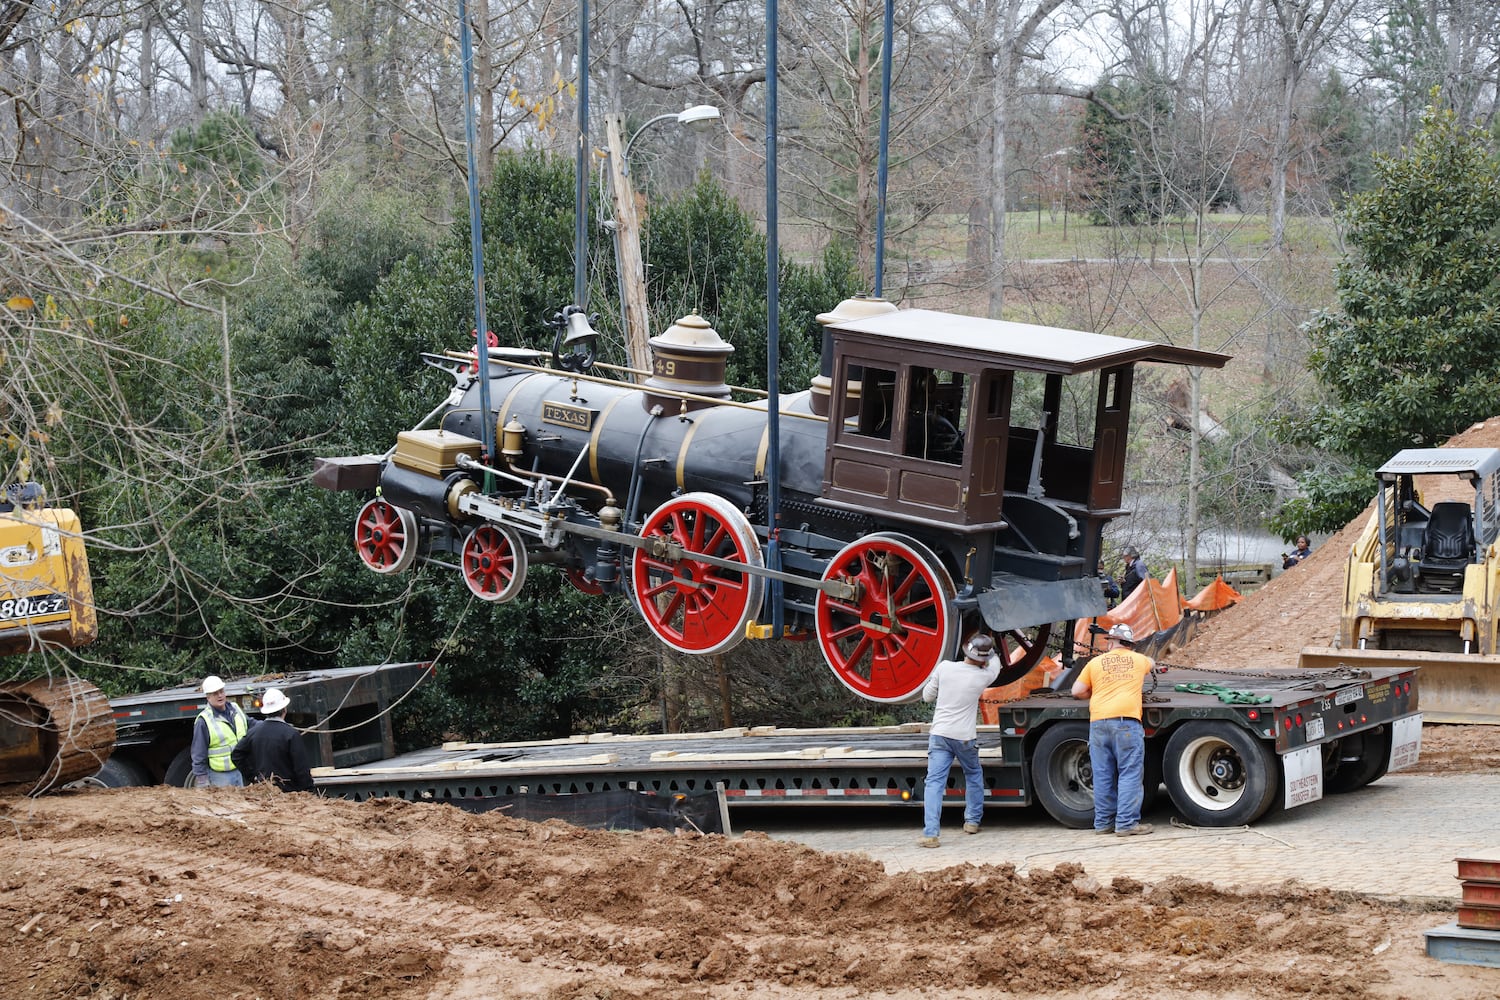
(1122, 632)
(980, 647)
(212, 683)
(273, 701)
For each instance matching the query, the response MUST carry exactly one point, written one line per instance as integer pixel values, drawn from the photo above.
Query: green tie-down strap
(1227, 695)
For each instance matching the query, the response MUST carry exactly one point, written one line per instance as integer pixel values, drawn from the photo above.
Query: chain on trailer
(1311, 680)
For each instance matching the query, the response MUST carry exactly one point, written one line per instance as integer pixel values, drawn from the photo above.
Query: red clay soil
(230, 894)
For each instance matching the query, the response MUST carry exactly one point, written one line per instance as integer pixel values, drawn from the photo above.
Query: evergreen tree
(1412, 354)
(1119, 183)
(1338, 125)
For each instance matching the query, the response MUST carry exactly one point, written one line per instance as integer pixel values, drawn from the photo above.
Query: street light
(1067, 153)
(627, 227)
(695, 115)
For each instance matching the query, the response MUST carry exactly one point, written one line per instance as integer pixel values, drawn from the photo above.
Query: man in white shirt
(956, 686)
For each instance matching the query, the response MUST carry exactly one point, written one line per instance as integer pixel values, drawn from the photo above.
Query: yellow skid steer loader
(1422, 582)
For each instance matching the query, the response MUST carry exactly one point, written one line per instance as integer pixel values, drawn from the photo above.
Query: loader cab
(1011, 436)
(1439, 511)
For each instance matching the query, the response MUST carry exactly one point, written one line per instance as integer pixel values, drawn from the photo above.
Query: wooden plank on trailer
(732, 733)
(488, 766)
(851, 753)
(841, 732)
(460, 746)
(810, 753)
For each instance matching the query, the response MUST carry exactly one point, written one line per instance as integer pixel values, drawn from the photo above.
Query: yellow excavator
(1423, 580)
(58, 728)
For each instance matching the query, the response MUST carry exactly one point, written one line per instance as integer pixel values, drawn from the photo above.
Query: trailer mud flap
(1406, 742)
(1303, 776)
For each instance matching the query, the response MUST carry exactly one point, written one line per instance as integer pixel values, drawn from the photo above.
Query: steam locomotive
(943, 473)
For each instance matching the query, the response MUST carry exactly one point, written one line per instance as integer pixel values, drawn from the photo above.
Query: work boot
(927, 842)
(971, 828)
(1139, 830)
(1107, 829)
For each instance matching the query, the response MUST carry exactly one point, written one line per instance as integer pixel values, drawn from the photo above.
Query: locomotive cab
(940, 419)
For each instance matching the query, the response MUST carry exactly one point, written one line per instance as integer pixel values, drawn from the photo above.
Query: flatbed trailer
(1281, 739)
(344, 712)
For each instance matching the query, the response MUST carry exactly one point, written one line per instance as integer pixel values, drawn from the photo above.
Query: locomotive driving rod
(659, 548)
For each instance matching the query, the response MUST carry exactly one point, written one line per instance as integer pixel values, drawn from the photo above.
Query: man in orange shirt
(1112, 682)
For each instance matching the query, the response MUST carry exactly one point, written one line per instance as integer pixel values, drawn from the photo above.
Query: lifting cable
(431, 671)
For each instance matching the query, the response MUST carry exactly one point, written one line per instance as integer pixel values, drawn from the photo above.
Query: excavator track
(52, 731)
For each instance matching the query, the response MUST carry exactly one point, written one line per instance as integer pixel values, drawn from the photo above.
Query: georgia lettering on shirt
(1117, 663)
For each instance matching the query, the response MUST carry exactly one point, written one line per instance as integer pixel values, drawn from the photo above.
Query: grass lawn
(1051, 236)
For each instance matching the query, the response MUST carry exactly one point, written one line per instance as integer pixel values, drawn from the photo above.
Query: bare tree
(831, 125)
(1188, 136)
(1008, 36)
(1418, 46)
(1301, 29)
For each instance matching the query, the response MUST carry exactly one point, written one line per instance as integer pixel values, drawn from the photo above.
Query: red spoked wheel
(691, 605)
(385, 536)
(883, 644)
(582, 582)
(494, 563)
(1020, 649)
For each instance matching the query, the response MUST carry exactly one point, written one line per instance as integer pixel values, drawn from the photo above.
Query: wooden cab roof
(1017, 346)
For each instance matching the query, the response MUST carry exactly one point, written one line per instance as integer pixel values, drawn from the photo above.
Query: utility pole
(628, 249)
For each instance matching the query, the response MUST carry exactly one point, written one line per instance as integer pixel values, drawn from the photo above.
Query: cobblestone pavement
(1397, 838)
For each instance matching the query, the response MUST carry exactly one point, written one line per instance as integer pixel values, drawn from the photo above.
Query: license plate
(17, 608)
(1344, 696)
(1315, 728)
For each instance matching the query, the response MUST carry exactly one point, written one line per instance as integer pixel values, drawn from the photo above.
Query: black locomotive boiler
(943, 473)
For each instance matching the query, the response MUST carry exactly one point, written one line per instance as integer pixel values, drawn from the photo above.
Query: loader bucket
(52, 731)
(1451, 687)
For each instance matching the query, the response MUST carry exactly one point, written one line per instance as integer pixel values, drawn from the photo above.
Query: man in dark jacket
(1135, 571)
(274, 751)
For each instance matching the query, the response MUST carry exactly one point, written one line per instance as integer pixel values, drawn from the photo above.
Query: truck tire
(120, 772)
(1218, 774)
(1062, 775)
(180, 771)
(1362, 758)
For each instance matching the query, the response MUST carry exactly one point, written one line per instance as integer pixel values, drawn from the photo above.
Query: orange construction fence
(1217, 596)
(1154, 608)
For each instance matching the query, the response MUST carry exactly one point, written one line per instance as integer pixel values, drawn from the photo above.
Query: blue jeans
(224, 779)
(1117, 753)
(941, 753)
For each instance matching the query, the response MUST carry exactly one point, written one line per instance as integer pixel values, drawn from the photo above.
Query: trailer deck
(1288, 710)
(765, 764)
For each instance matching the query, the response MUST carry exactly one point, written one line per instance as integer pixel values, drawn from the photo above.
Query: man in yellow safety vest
(216, 731)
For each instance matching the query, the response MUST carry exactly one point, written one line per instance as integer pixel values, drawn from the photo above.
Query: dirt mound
(1301, 606)
(169, 893)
